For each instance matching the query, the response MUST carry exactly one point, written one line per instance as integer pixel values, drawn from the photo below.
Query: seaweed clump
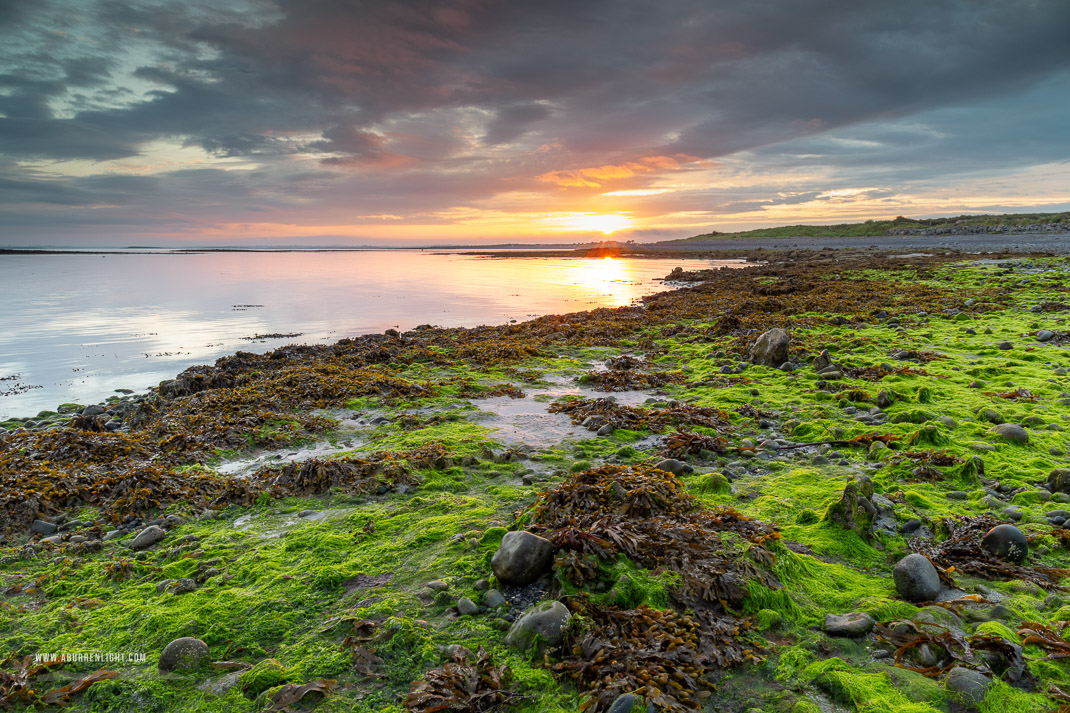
(462, 687)
(658, 650)
(606, 410)
(629, 380)
(118, 473)
(986, 653)
(646, 514)
(962, 551)
(19, 688)
(684, 443)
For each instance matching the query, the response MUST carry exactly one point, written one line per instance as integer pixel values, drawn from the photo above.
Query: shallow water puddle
(527, 421)
(282, 522)
(320, 449)
(348, 437)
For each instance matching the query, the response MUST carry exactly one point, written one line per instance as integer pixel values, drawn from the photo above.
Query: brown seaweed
(962, 551)
(462, 687)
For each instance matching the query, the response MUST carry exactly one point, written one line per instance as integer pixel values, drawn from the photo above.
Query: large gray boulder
(522, 558)
(771, 349)
(916, 579)
(543, 624)
(967, 686)
(184, 654)
(148, 537)
(1006, 542)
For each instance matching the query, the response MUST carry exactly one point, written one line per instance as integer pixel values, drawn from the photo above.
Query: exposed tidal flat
(837, 484)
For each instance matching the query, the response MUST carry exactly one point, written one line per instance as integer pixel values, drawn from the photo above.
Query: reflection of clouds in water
(91, 334)
(72, 339)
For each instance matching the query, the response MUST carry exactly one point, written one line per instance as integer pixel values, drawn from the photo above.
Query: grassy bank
(333, 583)
(1008, 222)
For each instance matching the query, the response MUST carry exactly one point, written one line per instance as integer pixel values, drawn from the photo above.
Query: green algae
(283, 578)
(864, 691)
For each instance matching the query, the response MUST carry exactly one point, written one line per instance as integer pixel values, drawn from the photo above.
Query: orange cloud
(594, 177)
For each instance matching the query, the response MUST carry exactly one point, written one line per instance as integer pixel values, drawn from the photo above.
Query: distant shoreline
(201, 251)
(1057, 243)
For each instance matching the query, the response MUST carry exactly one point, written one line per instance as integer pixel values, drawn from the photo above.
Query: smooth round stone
(43, 527)
(184, 654)
(916, 579)
(1010, 432)
(147, 537)
(967, 685)
(467, 606)
(493, 599)
(544, 623)
(1006, 542)
(676, 467)
(852, 625)
(910, 526)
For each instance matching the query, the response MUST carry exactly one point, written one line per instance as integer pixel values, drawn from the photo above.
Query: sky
(340, 122)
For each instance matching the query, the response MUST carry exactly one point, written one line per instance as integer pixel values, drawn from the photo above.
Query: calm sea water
(74, 328)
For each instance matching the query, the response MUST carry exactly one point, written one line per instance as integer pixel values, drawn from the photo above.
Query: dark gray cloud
(418, 106)
(513, 121)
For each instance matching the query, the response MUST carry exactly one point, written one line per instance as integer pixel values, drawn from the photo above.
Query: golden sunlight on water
(131, 320)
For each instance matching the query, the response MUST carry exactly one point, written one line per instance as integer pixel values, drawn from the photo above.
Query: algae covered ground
(325, 517)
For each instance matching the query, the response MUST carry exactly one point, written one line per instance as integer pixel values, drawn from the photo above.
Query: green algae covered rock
(185, 654)
(264, 675)
(914, 416)
(1010, 432)
(1059, 480)
(854, 510)
(711, 483)
(540, 626)
(967, 686)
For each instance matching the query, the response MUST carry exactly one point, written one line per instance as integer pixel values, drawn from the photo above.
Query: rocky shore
(828, 484)
(1002, 229)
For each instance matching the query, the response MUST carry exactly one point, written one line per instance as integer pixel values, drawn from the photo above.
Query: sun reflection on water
(87, 336)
